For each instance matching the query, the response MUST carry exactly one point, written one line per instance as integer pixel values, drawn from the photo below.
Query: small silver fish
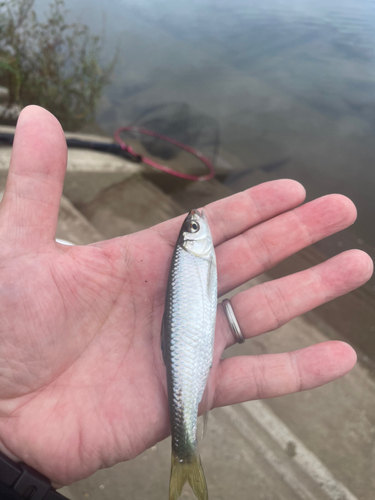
(187, 339)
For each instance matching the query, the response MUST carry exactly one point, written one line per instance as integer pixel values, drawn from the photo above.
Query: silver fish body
(187, 343)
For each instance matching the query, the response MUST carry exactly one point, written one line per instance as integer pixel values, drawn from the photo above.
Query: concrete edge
(279, 438)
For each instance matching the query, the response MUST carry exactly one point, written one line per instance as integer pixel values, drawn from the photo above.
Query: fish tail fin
(190, 471)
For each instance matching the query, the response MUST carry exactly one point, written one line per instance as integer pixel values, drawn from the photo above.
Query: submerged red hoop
(159, 166)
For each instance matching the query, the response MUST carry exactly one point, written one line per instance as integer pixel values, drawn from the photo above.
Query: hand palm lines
(107, 328)
(71, 299)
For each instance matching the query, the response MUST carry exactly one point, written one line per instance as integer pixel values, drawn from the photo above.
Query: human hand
(82, 382)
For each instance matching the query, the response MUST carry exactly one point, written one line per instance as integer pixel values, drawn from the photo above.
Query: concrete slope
(88, 172)
(74, 227)
(130, 206)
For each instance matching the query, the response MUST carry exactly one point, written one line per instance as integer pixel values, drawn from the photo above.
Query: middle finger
(262, 247)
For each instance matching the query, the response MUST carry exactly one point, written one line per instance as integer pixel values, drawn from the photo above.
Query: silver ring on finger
(234, 326)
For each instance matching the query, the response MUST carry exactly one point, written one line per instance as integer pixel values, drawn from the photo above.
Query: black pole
(104, 147)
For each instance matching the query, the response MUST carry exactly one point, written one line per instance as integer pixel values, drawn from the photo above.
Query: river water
(290, 84)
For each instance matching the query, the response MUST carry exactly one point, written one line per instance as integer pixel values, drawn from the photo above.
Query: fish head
(195, 236)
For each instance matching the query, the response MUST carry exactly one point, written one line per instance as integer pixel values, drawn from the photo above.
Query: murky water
(290, 84)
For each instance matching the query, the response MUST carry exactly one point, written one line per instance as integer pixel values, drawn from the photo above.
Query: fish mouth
(200, 214)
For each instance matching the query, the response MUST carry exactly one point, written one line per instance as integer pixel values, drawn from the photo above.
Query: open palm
(82, 382)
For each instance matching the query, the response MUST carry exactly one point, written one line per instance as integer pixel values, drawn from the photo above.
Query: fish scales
(187, 343)
(190, 324)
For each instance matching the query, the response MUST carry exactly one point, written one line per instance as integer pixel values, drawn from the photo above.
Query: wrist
(4, 450)
(22, 479)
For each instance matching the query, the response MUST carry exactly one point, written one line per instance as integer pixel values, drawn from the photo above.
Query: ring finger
(269, 305)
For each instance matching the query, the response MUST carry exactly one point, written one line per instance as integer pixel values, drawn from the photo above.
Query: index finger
(235, 214)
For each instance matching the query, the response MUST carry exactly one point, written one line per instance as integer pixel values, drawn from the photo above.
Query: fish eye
(193, 227)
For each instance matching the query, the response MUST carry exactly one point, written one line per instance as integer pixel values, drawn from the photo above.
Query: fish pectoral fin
(204, 408)
(187, 471)
(202, 425)
(212, 277)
